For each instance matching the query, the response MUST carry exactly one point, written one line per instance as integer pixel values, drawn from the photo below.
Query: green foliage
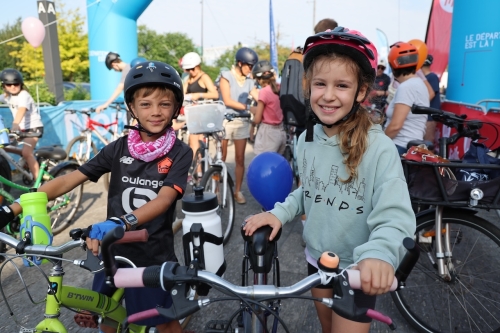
(73, 50)
(212, 71)
(6, 32)
(168, 47)
(77, 94)
(44, 94)
(227, 58)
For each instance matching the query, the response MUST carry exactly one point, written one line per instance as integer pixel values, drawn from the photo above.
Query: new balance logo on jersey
(126, 160)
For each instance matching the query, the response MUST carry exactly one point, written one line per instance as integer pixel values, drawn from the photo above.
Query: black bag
(478, 153)
(291, 91)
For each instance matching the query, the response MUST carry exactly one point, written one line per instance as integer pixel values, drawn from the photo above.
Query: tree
(7, 32)
(168, 47)
(73, 50)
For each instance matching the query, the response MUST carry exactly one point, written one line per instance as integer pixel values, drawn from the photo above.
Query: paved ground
(299, 315)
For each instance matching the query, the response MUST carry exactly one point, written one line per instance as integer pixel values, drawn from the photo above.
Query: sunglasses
(12, 84)
(249, 66)
(190, 69)
(343, 34)
(381, 67)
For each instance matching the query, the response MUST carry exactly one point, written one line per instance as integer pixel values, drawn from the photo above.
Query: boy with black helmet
(25, 112)
(114, 62)
(236, 86)
(149, 170)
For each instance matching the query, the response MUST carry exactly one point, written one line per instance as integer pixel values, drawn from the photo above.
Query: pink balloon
(33, 30)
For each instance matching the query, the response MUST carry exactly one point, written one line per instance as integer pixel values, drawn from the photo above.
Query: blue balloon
(137, 61)
(269, 179)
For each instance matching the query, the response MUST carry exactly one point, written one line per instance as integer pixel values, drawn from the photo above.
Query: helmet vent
(165, 74)
(137, 75)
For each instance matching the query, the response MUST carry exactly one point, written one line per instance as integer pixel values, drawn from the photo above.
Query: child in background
(353, 187)
(25, 112)
(271, 135)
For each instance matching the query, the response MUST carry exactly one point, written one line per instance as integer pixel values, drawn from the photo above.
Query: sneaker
(239, 198)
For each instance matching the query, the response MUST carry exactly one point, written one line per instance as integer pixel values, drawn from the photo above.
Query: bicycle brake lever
(92, 263)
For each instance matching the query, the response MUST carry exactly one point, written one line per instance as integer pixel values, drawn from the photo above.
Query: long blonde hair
(353, 133)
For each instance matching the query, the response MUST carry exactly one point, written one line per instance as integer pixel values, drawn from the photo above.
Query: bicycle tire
(73, 151)
(212, 182)
(62, 217)
(5, 172)
(469, 303)
(288, 155)
(198, 160)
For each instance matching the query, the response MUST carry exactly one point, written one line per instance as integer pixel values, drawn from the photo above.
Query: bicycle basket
(205, 118)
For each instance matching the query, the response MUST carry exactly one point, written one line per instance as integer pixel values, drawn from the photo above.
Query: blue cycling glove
(99, 230)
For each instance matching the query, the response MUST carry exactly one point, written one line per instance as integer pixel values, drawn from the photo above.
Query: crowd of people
(357, 158)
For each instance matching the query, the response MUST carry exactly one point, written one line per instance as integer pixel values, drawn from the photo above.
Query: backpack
(291, 91)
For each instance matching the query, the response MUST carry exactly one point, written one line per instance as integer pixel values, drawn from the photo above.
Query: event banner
(438, 34)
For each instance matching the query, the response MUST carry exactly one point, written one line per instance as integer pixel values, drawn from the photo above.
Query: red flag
(439, 33)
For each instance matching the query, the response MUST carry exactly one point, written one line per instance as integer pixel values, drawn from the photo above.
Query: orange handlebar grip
(134, 236)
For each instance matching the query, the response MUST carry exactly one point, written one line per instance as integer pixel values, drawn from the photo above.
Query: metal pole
(314, 14)
(201, 29)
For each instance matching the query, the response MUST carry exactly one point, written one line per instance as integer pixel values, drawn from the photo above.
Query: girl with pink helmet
(353, 189)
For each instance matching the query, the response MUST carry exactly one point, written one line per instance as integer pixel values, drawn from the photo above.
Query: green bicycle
(62, 209)
(92, 307)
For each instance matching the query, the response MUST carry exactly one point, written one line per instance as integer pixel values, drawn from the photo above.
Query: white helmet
(382, 62)
(190, 60)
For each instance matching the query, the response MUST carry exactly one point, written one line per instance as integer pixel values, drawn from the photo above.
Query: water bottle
(35, 224)
(202, 231)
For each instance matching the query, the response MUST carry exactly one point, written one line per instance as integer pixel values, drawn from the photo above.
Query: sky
(227, 22)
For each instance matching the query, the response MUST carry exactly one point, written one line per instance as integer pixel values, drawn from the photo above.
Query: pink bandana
(150, 151)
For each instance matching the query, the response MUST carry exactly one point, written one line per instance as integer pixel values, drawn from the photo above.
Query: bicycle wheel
(213, 182)
(470, 302)
(62, 214)
(5, 173)
(77, 149)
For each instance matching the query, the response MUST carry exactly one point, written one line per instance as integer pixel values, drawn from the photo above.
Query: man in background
(435, 102)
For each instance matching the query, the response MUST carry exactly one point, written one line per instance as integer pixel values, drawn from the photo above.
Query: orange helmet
(403, 55)
(422, 51)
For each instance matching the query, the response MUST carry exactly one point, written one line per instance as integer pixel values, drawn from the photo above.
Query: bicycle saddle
(51, 152)
(258, 246)
(415, 143)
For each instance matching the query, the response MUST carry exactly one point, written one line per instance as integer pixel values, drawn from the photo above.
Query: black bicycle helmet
(11, 76)
(154, 73)
(429, 60)
(263, 70)
(110, 58)
(246, 55)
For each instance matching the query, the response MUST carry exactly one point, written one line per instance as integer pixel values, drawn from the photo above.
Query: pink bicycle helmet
(344, 41)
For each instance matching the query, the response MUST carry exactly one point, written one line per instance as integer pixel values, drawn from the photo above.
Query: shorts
(361, 299)
(270, 138)
(237, 129)
(137, 299)
(34, 130)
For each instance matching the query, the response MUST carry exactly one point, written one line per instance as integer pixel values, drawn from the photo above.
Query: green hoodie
(366, 218)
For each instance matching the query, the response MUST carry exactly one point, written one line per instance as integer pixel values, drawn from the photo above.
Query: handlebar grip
(418, 109)
(134, 236)
(409, 260)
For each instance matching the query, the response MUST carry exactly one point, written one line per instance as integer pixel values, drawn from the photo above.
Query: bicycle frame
(209, 162)
(81, 299)
(38, 181)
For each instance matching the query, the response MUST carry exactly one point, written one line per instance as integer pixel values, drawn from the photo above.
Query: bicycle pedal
(218, 326)
(87, 319)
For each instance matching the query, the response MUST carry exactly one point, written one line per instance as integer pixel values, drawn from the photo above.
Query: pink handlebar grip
(129, 277)
(143, 315)
(355, 280)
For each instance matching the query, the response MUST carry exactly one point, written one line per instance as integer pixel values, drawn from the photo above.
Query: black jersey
(134, 183)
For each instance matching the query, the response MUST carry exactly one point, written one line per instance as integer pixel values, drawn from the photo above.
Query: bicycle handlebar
(21, 135)
(84, 111)
(170, 276)
(242, 114)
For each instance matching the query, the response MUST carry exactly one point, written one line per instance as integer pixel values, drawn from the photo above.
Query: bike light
(475, 195)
